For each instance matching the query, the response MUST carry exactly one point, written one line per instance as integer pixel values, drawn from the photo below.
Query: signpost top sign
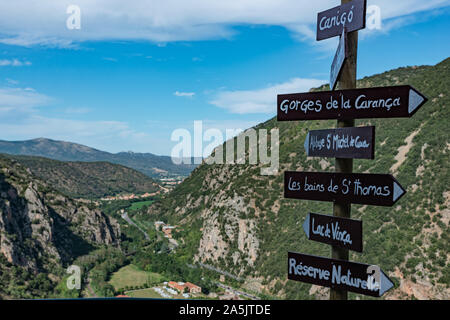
(352, 15)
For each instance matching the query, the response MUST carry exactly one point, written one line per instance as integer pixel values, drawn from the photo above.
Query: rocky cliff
(40, 227)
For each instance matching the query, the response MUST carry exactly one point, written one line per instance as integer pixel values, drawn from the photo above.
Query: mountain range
(149, 164)
(89, 180)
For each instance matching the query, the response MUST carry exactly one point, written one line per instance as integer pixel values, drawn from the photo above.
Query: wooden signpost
(344, 143)
(381, 102)
(362, 188)
(338, 274)
(353, 143)
(336, 231)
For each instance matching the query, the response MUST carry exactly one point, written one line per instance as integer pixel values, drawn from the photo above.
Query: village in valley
(131, 281)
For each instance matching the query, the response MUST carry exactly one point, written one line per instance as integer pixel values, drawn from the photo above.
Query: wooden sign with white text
(336, 231)
(362, 188)
(351, 142)
(338, 274)
(352, 15)
(381, 102)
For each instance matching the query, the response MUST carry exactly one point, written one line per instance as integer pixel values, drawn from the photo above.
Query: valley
(224, 228)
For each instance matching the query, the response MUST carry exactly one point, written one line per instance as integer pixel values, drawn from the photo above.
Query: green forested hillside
(238, 220)
(87, 179)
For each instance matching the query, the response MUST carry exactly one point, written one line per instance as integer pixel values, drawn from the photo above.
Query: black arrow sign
(352, 15)
(362, 188)
(381, 102)
(336, 231)
(339, 58)
(355, 143)
(338, 274)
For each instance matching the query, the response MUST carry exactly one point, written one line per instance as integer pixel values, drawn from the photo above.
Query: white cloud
(21, 118)
(184, 94)
(12, 81)
(21, 21)
(261, 100)
(14, 63)
(81, 110)
(104, 135)
(110, 59)
(222, 124)
(21, 100)
(39, 126)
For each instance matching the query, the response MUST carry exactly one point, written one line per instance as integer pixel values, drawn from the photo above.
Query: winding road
(127, 219)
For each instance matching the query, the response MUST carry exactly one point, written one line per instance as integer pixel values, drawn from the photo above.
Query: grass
(132, 276)
(140, 204)
(144, 293)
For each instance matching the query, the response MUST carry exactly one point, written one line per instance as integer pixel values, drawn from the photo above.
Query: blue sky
(129, 85)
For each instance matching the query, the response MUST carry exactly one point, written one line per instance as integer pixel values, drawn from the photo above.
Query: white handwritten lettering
(362, 103)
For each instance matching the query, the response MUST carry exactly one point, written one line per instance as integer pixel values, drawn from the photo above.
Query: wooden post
(347, 80)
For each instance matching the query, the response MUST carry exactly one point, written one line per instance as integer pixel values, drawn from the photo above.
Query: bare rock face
(227, 236)
(40, 227)
(15, 226)
(212, 244)
(229, 239)
(97, 226)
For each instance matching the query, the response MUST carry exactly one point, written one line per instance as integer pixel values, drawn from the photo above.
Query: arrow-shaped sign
(362, 188)
(336, 231)
(338, 274)
(355, 143)
(339, 59)
(381, 102)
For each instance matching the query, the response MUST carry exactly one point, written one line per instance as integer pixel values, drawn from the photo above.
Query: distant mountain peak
(149, 164)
